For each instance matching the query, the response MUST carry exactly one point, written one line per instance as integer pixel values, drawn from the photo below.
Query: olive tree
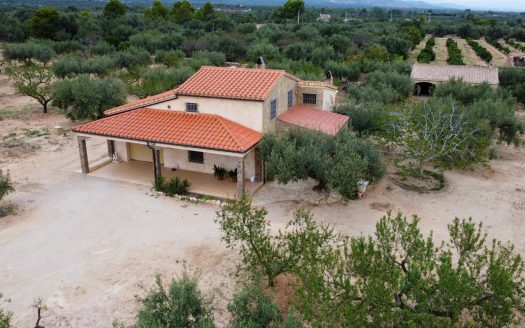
(441, 132)
(272, 255)
(32, 80)
(400, 278)
(87, 98)
(180, 305)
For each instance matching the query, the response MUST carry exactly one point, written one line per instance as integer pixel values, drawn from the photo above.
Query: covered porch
(140, 172)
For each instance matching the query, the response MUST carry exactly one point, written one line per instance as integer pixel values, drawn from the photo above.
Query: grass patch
(33, 133)
(427, 181)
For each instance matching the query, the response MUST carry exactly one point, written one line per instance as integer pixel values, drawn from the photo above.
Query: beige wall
(280, 93)
(139, 152)
(122, 150)
(329, 99)
(244, 112)
(176, 158)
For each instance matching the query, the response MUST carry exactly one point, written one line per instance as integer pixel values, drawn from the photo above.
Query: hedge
(480, 51)
(454, 54)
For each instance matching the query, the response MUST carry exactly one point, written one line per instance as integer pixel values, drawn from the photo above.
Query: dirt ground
(86, 245)
(469, 55)
(498, 58)
(440, 49)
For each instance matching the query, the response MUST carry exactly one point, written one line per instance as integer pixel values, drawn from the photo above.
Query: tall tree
(45, 23)
(32, 80)
(206, 12)
(157, 11)
(114, 8)
(290, 10)
(182, 12)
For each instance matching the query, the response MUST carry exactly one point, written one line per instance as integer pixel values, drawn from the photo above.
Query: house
(216, 117)
(428, 76)
(324, 18)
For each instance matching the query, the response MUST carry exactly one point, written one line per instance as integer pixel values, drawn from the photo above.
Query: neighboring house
(428, 76)
(217, 117)
(324, 18)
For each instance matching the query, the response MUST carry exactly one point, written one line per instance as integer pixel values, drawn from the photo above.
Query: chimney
(328, 78)
(260, 63)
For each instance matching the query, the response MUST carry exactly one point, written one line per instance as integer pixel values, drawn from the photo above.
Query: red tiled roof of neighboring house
(444, 73)
(143, 102)
(178, 128)
(314, 119)
(231, 82)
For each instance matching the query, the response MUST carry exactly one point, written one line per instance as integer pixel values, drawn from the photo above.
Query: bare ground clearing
(440, 49)
(86, 244)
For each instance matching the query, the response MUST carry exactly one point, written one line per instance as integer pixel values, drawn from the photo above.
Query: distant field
(498, 58)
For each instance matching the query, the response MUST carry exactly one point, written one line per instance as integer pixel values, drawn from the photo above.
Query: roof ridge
(221, 120)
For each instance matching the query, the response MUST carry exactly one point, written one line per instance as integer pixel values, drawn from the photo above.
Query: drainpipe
(156, 159)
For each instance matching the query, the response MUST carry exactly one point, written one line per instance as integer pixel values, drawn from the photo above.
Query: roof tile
(444, 73)
(171, 127)
(314, 119)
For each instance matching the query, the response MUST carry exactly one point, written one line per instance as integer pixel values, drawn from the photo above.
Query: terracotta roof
(178, 128)
(314, 119)
(143, 102)
(443, 73)
(231, 82)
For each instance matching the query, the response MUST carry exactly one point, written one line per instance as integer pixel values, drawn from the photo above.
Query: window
(196, 157)
(273, 108)
(290, 98)
(309, 98)
(191, 107)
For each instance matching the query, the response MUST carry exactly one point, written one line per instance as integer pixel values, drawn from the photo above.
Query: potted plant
(219, 172)
(232, 174)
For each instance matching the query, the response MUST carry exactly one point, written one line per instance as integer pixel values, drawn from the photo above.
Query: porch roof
(312, 118)
(178, 128)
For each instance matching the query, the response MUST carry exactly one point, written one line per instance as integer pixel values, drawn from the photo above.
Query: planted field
(498, 58)
(427, 55)
(413, 55)
(469, 56)
(455, 57)
(441, 51)
(480, 50)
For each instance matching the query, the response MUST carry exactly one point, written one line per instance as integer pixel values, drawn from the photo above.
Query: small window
(191, 107)
(273, 109)
(290, 98)
(196, 157)
(309, 98)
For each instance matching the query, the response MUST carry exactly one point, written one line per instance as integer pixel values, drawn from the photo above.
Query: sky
(518, 5)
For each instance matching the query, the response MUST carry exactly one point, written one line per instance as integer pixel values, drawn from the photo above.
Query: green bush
(365, 119)
(75, 64)
(251, 307)
(131, 57)
(179, 305)
(87, 98)
(454, 53)
(159, 79)
(27, 51)
(382, 87)
(513, 79)
(427, 55)
(6, 185)
(171, 187)
(342, 71)
(169, 58)
(5, 317)
(480, 50)
(102, 48)
(298, 155)
(496, 44)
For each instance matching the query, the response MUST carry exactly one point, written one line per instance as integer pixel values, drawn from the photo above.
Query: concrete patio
(201, 183)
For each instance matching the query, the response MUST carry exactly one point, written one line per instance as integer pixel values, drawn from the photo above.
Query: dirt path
(498, 58)
(441, 51)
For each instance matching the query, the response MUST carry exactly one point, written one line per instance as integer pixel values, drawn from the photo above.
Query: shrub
(131, 57)
(343, 71)
(496, 44)
(87, 98)
(513, 79)
(6, 185)
(169, 57)
(171, 187)
(454, 53)
(102, 48)
(27, 51)
(75, 64)
(480, 50)
(367, 119)
(298, 155)
(5, 317)
(251, 307)
(427, 54)
(267, 50)
(383, 87)
(180, 305)
(159, 79)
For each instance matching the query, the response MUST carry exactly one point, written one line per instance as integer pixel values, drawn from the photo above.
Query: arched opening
(424, 89)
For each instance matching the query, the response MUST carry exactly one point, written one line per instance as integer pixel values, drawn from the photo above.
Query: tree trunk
(45, 107)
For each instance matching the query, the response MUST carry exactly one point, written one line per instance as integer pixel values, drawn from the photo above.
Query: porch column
(240, 177)
(84, 165)
(111, 148)
(156, 163)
